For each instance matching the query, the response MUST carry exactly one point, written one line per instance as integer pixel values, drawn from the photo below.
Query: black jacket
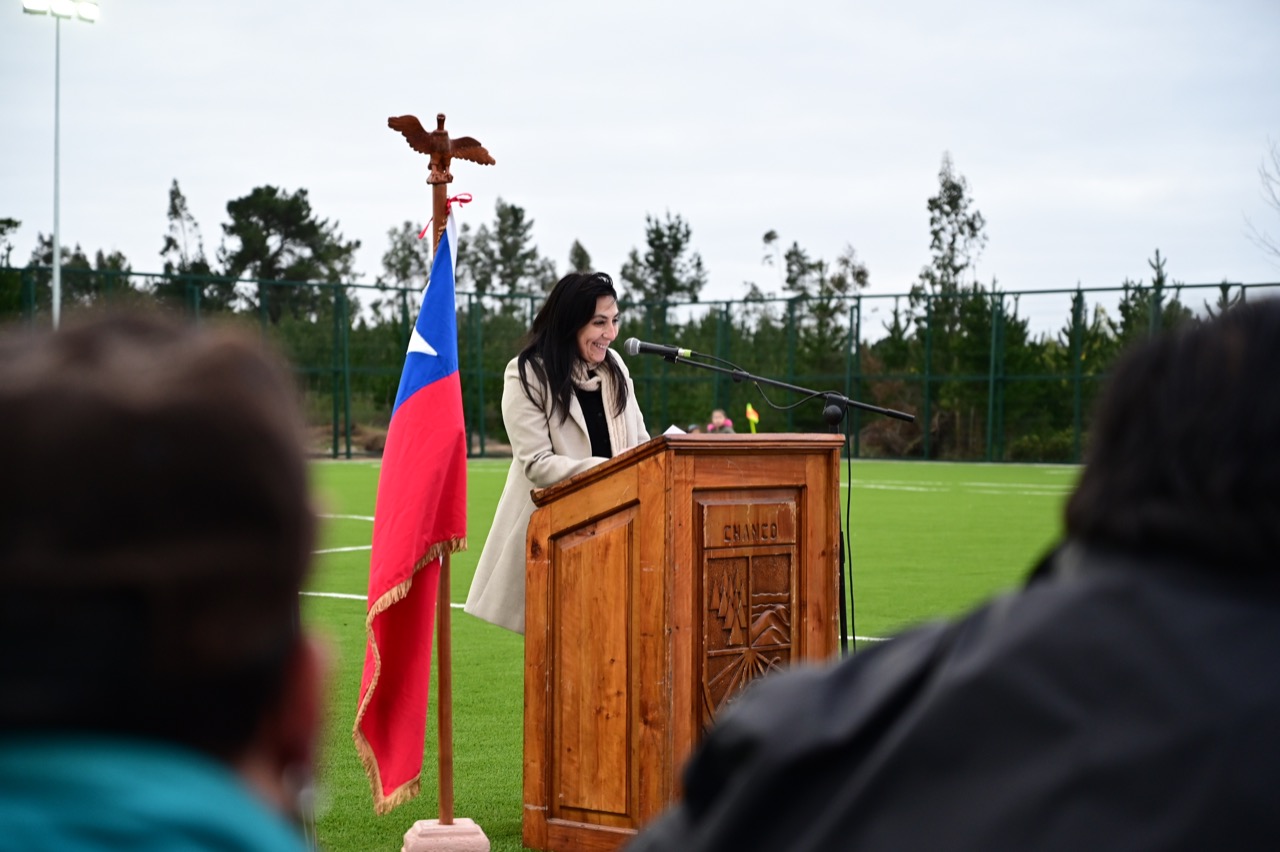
(1113, 703)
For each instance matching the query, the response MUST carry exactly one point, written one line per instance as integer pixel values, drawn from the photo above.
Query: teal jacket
(82, 793)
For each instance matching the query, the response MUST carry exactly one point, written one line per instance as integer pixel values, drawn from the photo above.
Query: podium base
(462, 835)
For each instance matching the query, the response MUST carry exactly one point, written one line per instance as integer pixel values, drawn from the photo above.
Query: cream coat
(544, 451)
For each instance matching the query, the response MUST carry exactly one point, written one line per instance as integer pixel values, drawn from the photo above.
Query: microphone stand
(833, 412)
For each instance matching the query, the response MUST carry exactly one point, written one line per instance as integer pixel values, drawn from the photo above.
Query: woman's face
(594, 337)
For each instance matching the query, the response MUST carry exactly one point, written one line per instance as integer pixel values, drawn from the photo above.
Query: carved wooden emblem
(749, 553)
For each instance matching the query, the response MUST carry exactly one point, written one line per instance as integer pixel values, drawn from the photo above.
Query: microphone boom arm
(831, 397)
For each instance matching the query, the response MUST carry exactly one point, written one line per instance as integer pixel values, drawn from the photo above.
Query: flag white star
(418, 343)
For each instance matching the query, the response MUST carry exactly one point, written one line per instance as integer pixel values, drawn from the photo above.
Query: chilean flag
(421, 515)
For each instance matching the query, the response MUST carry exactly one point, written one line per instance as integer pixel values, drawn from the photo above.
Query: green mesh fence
(1004, 376)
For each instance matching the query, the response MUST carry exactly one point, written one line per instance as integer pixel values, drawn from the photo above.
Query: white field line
(967, 483)
(990, 488)
(980, 484)
(1065, 467)
(347, 549)
(880, 486)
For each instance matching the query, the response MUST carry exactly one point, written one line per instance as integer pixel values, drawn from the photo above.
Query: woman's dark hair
(551, 346)
(1184, 455)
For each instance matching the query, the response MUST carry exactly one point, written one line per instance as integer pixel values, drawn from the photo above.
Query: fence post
(719, 395)
(334, 369)
(998, 451)
(643, 376)
(664, 387)
(991, 383)
(28, 277)
(928, 366)
(855, 329)
(264, 319)
(1077, 359)
(194, 293)
(344, 329)
(791, 357)
(475, 314)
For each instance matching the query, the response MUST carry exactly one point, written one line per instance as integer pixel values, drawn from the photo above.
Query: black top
(592, 403)
(1115, 703)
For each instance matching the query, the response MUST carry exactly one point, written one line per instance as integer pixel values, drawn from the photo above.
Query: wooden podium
(658, 584)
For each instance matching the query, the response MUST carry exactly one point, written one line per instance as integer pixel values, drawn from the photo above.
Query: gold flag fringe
(405, 792)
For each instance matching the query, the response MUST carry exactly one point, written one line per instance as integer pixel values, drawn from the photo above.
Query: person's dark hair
(1184, 454)
(551, 346)
(155, 529)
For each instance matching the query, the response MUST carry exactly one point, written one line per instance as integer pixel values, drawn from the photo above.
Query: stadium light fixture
(87, 11)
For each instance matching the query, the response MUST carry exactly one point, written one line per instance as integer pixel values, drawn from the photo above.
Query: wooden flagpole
(444, 645)
(443, 834)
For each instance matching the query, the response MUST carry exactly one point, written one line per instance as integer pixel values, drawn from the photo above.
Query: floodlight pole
(87, 11)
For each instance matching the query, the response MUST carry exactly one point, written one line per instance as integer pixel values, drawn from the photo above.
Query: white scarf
(602, 380)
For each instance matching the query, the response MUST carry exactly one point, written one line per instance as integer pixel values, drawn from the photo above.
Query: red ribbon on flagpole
(462, 198)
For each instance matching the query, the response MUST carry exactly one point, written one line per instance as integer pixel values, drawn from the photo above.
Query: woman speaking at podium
(568, 404)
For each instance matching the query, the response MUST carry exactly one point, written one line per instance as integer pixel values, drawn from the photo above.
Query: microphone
(636, 347)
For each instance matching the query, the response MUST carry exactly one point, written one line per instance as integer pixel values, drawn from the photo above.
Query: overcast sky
(1090, 133)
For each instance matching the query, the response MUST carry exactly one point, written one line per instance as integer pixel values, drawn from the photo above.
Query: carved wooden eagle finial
(437, 145)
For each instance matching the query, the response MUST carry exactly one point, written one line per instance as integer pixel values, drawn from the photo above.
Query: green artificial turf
(928, 540)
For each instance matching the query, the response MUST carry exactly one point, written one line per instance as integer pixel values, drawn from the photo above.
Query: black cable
(844, 568)
(848, 531)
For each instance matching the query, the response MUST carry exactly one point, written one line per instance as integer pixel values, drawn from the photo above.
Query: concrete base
(428, 835)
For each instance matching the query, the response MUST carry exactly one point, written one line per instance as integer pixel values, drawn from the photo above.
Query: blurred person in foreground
(1126, 698)
(568, 404)
(156, 690)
